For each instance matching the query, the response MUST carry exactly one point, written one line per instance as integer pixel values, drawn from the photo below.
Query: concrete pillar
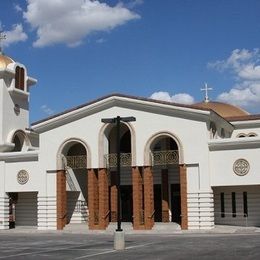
(165, 195)
(138, 211)
(103, 199)
(148, 198)
(93, 199)
(61, 196)
(183, 191)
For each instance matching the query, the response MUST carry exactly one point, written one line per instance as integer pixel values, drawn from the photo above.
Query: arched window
(252, 135)
(213, 130)
(241, 135)
(19, 78)
(223, 134)
(19, 141)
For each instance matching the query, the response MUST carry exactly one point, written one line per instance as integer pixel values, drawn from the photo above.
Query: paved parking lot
(100, 246)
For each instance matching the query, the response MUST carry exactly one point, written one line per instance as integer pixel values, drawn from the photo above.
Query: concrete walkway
(159, 228)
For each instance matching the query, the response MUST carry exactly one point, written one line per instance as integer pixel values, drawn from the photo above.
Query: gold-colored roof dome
(223, 109)
(5, 61)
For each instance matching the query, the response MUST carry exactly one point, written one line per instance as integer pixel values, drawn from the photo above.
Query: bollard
(119, 240)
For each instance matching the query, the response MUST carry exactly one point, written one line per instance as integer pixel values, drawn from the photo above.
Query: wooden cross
(206, 89)
(2, 38)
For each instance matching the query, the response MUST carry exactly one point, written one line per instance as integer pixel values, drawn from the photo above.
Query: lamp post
(119, 242)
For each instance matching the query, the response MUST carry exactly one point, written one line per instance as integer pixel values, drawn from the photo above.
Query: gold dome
(223, 109)
(5, 61)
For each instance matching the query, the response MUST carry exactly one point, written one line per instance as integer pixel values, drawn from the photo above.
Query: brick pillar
(103, 199)
(61, 195)
(183, 191)
(165, 196)
(113, 197)
(93, 199)
(138, 212)
(148, 198)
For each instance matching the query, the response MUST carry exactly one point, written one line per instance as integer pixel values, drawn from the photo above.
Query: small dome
(5, 61)
(223, 109)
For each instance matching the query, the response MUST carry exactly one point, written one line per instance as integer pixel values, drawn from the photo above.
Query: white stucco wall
(221, 167)
(147, 124)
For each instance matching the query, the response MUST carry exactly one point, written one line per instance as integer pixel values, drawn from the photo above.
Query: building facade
(195, 165)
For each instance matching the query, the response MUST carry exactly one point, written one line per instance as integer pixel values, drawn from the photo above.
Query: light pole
(119, 242)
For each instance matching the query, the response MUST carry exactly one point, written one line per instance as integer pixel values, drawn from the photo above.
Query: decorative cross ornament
(206, 89)
(2, 38)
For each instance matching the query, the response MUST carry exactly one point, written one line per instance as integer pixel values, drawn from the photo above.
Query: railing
(77, 162)
(165, 157)
(80, 206)
(70, 181)
(125, 160)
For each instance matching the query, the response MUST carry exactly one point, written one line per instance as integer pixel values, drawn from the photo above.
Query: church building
(195, 165)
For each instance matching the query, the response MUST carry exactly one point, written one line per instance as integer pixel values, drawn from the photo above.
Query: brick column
(183, 191)
(165, 196)
(148, 198)
(113, 197)
(93, 199)
(103, 199)
(61, 195)
(138, 212)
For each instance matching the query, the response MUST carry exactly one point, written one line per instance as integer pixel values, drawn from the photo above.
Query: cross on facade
(2, 38)
(206, 89)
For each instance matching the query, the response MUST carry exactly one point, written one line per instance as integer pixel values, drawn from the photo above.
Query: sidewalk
(127, 227)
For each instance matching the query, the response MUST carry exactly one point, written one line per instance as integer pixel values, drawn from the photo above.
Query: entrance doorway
(176, 203)
(127, 203)
(22, 209)
(157, 203)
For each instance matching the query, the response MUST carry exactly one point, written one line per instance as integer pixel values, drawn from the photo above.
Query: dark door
(127, 203)
(157, 203)
(176, 203)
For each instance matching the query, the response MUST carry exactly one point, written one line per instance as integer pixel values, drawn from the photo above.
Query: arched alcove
(73, 157)
(163, 152)
(20, 140)
(107, 142)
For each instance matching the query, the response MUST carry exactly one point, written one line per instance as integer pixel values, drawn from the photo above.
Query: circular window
(241, 167)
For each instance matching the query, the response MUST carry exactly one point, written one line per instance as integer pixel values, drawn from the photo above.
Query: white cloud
(133, 3)
(18, 8)
(100, 40)
(15, 35)
(69, 22)
(244, 65)
(47, 110)
(182, 98)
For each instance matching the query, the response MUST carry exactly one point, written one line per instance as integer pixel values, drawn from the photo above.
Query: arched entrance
(125, 177)
(164, 154)
(72, 193)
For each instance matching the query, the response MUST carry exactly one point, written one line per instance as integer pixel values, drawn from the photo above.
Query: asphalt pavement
(61, 245)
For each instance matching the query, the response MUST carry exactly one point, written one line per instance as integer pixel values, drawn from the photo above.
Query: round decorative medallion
(22, 177)
(241, 167)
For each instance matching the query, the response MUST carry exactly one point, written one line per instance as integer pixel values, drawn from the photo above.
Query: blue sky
(80, 50)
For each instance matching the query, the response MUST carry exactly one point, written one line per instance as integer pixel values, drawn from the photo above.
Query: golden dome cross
(206, 89)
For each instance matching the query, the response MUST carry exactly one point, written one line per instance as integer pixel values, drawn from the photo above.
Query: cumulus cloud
(15, 35)
(244, 65)
(47, 110)
(182, 98)
(133, 3)
(69, 22)
(18, 8)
